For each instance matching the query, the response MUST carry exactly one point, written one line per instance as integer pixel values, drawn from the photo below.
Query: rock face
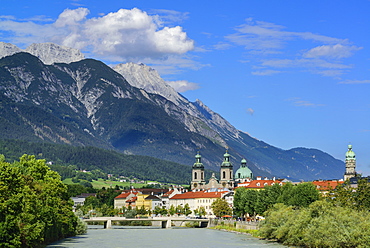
(7, 49)
(48, 53)
(87, 103)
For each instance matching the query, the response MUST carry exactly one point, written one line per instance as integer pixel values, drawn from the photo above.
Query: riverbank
(227, 228)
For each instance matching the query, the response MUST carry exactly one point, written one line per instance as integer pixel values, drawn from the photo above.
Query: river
(163, 238)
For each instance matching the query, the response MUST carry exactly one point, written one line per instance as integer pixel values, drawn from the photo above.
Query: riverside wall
(248, 225)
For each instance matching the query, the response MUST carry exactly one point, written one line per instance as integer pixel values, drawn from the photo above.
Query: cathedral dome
(350, 154)
(243, 172)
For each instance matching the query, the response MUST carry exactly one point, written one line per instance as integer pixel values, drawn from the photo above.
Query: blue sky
(290, 73)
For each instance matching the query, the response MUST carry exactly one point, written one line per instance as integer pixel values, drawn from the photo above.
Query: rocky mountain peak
(144, 77)
(48, 53)
(7, 49)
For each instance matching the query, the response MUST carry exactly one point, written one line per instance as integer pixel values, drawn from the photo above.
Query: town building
(197, 199)
(325, 186)
(126, 199)
(260, 183)
(140, 197)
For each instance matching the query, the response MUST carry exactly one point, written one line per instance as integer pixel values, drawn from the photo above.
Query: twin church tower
(226, 173)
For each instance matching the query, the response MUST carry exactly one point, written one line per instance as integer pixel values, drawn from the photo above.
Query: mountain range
(50, 93)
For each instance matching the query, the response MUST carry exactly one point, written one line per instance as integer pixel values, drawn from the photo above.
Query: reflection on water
(158, 237)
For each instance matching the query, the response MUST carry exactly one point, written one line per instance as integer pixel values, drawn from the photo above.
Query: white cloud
(250, 111)
(182, 85)
(125, 35)
(265, 72)
(280, 48)
(222, 46)
(262, 36)
(355, 82)
(336, 51)
(306, 63)
(303, 103)
(166, 16)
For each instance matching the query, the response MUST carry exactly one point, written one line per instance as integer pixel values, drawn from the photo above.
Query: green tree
(200, 211)
(179, 210)
(141, 210)
(220, 207)
(321, 224)
(164, 211)
(186, 209)
(303, 195)
(157, 210)
(239, 201)
(172, 210)
(34, 204)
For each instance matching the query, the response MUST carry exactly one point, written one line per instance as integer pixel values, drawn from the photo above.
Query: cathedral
(226, 172)
(226, 180)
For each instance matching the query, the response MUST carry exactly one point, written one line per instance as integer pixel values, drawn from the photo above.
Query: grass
(108, 183)
(100, 183)
(254, 233)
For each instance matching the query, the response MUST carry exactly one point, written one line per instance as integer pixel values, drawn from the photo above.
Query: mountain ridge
(106, 105)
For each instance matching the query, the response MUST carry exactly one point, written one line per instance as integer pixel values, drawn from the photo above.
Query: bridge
(166, 222)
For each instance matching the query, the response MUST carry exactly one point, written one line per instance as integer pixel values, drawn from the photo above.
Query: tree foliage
(68, 158)
(220, 207)
(35, 207)
(253, 202)
(347, 196)
(321, 224)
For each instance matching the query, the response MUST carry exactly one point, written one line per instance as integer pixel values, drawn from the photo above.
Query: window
(223, 174)
(195, 175)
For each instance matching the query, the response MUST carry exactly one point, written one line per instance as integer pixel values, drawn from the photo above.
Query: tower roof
(226, 162)
(350, 154)
(198, 162)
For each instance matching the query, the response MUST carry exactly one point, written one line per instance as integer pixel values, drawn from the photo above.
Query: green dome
(350, 154)
(243, 171)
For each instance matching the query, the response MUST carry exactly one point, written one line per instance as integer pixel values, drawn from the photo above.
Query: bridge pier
(108, 224)
(166, 223)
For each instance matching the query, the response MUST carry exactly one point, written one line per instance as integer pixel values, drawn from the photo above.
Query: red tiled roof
(123, 195)
(326, 185)
(168, 193)
(258, 184)
(198, 194)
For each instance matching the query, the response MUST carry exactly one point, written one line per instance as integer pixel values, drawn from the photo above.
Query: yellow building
(141, 201)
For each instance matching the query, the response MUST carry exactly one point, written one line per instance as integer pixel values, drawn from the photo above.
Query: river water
(163, 238)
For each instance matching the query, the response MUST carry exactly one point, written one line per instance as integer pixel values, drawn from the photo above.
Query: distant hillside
(90, 158)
